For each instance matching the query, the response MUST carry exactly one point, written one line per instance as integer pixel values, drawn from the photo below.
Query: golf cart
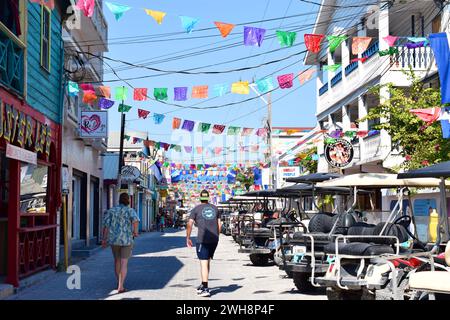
(372, 260)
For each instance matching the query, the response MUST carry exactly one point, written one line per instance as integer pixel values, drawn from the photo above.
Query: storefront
(30, 169)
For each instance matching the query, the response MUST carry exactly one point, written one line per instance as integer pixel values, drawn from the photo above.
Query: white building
(81, 157)
(342, 96)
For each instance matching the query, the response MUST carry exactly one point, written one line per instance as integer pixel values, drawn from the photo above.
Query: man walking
(206, 217)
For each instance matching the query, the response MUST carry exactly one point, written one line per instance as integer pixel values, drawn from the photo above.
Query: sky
(291, 107)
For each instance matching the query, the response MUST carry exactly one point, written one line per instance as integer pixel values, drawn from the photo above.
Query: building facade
(31, 96)
(81, 156)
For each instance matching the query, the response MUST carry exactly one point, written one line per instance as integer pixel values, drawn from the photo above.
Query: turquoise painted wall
(43, 87)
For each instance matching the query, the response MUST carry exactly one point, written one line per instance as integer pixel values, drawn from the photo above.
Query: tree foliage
(305, 160)
(246, 177)
(419, 143)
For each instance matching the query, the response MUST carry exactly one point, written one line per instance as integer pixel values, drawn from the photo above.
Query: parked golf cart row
(354, 254)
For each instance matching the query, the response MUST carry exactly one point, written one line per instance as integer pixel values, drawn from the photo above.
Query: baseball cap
(204, 195)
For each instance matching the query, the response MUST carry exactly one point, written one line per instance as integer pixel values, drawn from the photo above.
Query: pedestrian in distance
(162, 222)
(158, 221)
(206, 217)
(120, 228)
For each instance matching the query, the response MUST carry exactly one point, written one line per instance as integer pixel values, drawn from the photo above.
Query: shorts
(205, 251)
(122, 252)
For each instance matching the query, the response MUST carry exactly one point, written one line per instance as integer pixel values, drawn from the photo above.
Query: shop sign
(20, 154)
(290, 172)
(129, 173)
(339, 154)
(65, 176)
(22, 130)
(94, 124)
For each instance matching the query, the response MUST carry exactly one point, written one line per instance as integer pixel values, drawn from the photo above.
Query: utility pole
(269, 138)
(121, 158)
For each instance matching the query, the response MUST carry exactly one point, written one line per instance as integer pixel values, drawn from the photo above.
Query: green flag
(166, 164)
(330, 140)
(350, 134)
(160, 94)
(204, 127)
(286, 38)
(158, 145)
(332, 67)
(335, 41)
(121, 93)
(175, 147)
(126, 137)
(124, 108)
(389, 52)
(232, 131)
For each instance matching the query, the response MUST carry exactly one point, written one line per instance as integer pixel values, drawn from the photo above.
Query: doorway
(4, 183)
(94, 212)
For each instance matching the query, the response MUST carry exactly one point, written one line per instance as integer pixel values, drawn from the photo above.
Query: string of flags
(337, 134)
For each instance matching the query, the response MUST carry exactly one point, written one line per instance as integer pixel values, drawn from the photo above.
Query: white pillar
(345, 49)
(383, 25)
(330, 73)
(362, 112)
(345, 118)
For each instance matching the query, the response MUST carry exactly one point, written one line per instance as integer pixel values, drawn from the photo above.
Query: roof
(314, 177)
(440, 170)
(379, 181)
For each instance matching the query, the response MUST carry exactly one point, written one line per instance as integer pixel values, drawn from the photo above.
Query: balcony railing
(418, 58)
(351, 67)
(336, 79)
(372, 50)
(11, 61)
(323, 89)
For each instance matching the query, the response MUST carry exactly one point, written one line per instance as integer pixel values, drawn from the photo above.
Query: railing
(351, 67)
(323, 89)
(372, 50)
(36, 249)
(418, 58)
(11, 61)
(336, 79)
(372, 146)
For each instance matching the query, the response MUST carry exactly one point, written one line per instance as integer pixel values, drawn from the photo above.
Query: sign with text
(129, 173)
(94, 124)
(288, 172)
(21, 154)
(339, 154)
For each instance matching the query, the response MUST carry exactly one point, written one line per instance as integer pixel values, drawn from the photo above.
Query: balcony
(323, 89)
(11, 61)
(336, 79)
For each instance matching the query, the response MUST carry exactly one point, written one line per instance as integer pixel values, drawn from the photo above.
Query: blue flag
(440, 45)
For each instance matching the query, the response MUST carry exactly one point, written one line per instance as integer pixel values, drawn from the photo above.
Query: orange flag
(224, 28)
(176, 122)
(105, 91)
(360, 44)
(200, 92)
(306, 75)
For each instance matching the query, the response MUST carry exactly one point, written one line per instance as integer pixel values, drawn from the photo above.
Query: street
(162, 267)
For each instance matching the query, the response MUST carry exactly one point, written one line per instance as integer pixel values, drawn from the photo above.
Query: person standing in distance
(206, 217)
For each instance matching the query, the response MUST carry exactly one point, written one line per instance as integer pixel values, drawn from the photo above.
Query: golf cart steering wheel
(406, 223)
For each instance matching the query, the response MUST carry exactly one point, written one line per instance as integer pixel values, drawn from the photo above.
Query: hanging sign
(129, 173)
(339, 154)
(94, 124)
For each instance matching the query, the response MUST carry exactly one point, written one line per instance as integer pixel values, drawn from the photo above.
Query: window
(10, 16)
(45, 37)
(33, 188)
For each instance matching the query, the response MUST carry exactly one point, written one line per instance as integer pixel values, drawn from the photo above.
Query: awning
(440, 170)
(314, 177)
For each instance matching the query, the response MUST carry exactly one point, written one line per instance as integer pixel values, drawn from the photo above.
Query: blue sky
(295, 109)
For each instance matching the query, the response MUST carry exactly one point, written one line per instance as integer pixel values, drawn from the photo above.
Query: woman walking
(120, 228)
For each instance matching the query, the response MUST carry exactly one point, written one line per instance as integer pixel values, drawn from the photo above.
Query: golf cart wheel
(290, 274)
(338, 294)
(334, 294)
(259, 259)
(301, 281)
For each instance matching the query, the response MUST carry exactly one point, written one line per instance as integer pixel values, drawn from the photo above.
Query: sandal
(122, 291)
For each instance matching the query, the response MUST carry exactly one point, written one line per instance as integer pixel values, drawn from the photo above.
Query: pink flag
(199, 150)
(218, 129)
(140, 94)
(390, 40)
(360, 44)
(218, 150)
(428, 115)
(87, 87)
(285, 81)
(261, 132)
(143, 113)
(246, 131)
(306, 75)
(87, 7)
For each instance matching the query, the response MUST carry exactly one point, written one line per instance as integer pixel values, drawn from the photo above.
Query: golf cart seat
(259, 233)
(364, 229)
(358, 249)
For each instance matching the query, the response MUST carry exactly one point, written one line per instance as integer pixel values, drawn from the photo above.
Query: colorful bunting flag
(188, 23)
(73, 89)
(157, 15)
(332, 67)
(429, 115)
(389, 52)
(48, 3)
(175, 147)
(286, 81)
(423, 40)
(390, 40)
(312, 42)
(136, 140)
(253, 36)
(286, 38)
(218, 150)
(199, 92)
(414, 45)
(176, 123)
(158, 118)
(126, 137)
(86, 6)
(362, 133)
(440, 45)
(261, 132)
(362, 59)
(87, 87)
(143, 113)
(265, 85)
(218, 128)
(220, 89)
(188, 149)
(188, 125)
(105, 104)
(360, 44)
(121, 93)
(204, 127)
(160, 94)
(306, 75)
(335, 41)
(117, 9)
(164, 146)
(124, 108)
(199, 150)
(240, 87)
(180, 93)
(254, 148)
(140, 94)
(89, 97)
(232, 131)
(105, 91)
(224, 28)
(246, 131)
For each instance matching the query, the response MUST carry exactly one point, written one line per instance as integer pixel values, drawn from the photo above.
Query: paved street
(163, 268)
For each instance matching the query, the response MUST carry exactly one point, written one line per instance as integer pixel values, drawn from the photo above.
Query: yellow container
(432, 226)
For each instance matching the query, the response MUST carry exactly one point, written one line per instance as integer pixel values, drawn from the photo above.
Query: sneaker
(200, 289)
(204, 293)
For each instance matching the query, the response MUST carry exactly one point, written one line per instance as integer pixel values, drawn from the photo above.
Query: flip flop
(122, 291)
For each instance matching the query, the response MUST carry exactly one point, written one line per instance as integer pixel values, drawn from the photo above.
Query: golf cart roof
(379, 180)
(246, 199)
(307, 189)
(314, 177)
(440, 170)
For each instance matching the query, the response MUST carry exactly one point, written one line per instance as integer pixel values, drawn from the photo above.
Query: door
(94, 212)
(76, 205)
